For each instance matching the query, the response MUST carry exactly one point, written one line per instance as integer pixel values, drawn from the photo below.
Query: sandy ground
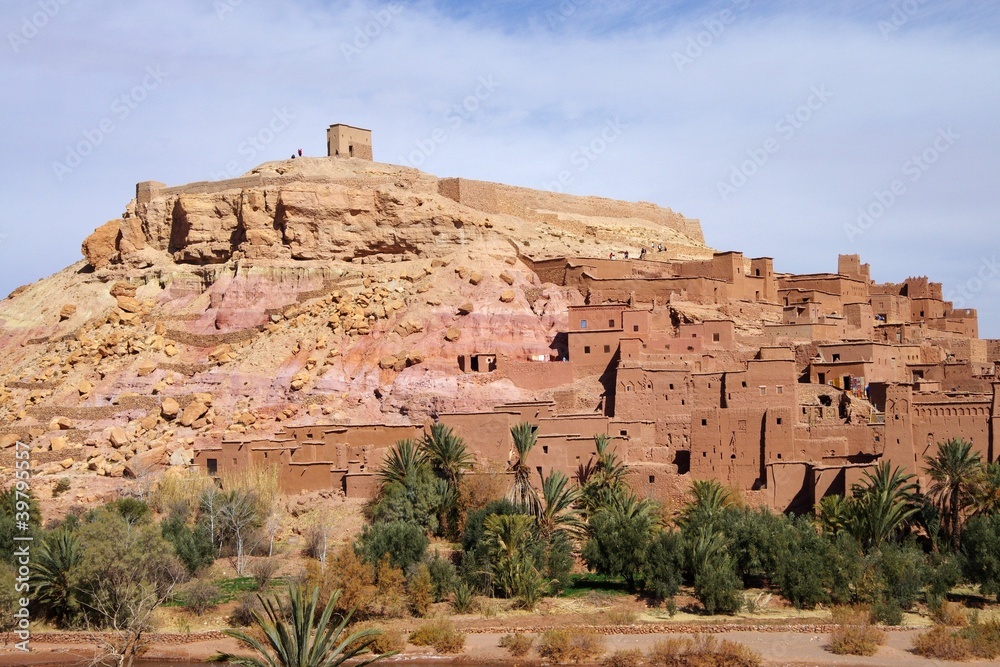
(777, 648)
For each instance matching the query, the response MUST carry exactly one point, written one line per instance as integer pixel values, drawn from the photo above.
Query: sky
(792, 129)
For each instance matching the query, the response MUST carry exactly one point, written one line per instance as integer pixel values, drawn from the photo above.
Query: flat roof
(353, 127)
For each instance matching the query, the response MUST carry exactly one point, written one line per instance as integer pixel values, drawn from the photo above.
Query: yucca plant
(294, 637)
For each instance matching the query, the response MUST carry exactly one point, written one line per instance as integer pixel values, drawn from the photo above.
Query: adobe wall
(535, 375)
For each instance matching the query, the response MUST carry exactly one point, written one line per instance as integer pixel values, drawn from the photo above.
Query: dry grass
(517, 644)
(976, 640)
(622, 616)
(854, 634)
(950, 614)
(627, 658)
(701, 650)
(441, 634)
(563, 645)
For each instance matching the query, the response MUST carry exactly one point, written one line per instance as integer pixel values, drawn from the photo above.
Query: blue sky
(797, 130)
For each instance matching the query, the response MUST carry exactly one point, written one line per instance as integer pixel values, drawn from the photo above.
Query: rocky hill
(323, 287)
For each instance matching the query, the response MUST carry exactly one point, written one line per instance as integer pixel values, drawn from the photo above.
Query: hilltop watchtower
(347, 141)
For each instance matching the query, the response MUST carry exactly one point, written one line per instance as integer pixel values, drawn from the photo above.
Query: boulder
(466, 308)
(169, 408)
(85, 387)
(507, 295)
(129, 304)
(506, 277)
(101, 247)
(59, 443)
(67, 312)
(118, 437)
(475, 277)
(193, 412)
(452, 334)
(60, 424)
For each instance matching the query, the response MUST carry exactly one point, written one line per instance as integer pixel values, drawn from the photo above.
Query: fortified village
(315, 311)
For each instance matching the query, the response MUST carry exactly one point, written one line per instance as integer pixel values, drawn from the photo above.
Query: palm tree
(602, 479)
(447, 453)
(988, 492)
(513, 565)
(290, 640)
(402, 462)
(883, 505)
(54, 588)
(833, 511)
(956, 470)
(708, 498)
(521, 492)
(558, 507)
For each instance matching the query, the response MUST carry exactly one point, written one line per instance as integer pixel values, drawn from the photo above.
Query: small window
(635, 327)
(704, 422)
(836, 357)
(763, 391)
(778, 421)
(607, 349)
(234, 460)
(704, 454)
(545, 449)
(716, 338)
(652, 479)
(780, 389)
(744, 384)
(683, 402)
(539, 469)
(628, 388)
(623, 432)
(779, 455)
(212, 465)
(583, 324)
(586, 349)
(671, 385)
(611, 324)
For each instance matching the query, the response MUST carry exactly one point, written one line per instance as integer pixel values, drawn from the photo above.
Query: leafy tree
(294, 636)
(988, 493)
(418, 499)
(981, 553)
(521, 492)
(55, 586)
(620, 533)
(883, 505)
(803, 572)
(476, 568)
(192, 544)
(758, 540)
(956, 471)
(663, 569)
(716, 583)
(405, 543)
(8, 597)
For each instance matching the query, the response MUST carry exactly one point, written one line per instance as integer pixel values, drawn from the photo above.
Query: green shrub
(405, 544)
(61, 487)
(443, 576)
(981, 553)
(517, 644)
(664, 566)
(563, 645)
(441, 634)
(463, 599)
(717, 586)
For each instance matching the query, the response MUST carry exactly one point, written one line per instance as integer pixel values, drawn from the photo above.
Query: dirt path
(778, 649)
